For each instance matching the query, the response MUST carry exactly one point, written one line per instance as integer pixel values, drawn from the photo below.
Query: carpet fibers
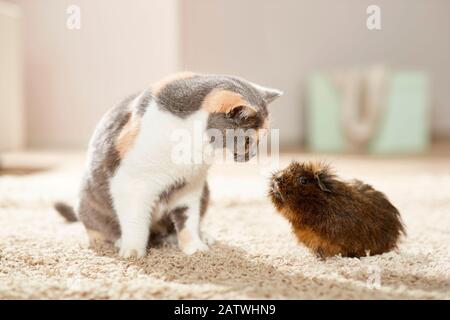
(253, 254)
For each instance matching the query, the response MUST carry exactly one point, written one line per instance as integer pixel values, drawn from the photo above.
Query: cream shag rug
(254, 255)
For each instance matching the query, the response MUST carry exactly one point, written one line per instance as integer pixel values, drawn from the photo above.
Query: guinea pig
(331, 216)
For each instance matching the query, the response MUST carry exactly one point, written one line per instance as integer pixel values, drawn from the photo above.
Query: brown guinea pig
(331, 216)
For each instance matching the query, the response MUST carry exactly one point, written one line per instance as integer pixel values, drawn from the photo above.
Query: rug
(253, 254)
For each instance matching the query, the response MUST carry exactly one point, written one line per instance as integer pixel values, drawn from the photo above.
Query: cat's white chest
(152, 158)
(163, 133)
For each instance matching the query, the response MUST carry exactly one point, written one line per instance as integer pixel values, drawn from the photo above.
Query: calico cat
(132, 188)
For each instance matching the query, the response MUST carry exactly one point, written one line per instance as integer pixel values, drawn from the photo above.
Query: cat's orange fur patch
(159, 85)
(225, 101)
(128, 134)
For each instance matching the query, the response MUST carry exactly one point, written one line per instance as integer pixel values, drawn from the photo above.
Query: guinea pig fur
(331, 216)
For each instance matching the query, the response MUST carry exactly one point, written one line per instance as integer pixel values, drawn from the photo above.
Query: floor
(254, 254)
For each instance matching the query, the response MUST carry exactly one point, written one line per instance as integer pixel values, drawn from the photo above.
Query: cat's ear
(225, 101)
(269, 94)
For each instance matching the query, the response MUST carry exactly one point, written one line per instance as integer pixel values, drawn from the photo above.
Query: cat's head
(239, 111)
(237, 108)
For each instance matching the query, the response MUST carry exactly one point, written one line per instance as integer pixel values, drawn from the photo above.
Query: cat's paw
(194, 247)
(132, 251)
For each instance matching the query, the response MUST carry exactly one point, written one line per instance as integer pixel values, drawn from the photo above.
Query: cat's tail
(66, 211)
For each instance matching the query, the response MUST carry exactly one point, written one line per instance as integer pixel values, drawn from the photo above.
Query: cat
(132, 190)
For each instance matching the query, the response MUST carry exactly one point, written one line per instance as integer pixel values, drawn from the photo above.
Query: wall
(11, 88)
(73, 76)
(278, 43)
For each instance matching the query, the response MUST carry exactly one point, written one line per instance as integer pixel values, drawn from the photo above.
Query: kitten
(132, 188)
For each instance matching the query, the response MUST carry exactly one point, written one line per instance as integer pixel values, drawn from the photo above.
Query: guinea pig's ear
(321, 181)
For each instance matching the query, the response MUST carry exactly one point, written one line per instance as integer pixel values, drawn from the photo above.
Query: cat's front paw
(132, 251)
(194, 247)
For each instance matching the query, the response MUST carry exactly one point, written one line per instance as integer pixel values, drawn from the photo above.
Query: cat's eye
(303, 180)
(235, 112)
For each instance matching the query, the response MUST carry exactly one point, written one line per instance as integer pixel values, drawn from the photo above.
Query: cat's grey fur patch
(166, 226)
(66, 211)
(170, 190)
(95, 206)
(183, 97)
(178, 217)
(204, 200)
(165, 196)
(144, 102)
(160, 232)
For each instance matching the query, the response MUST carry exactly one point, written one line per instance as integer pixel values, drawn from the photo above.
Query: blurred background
(347, 86)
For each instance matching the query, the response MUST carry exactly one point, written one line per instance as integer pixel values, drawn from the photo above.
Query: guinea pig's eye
(303, 180)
